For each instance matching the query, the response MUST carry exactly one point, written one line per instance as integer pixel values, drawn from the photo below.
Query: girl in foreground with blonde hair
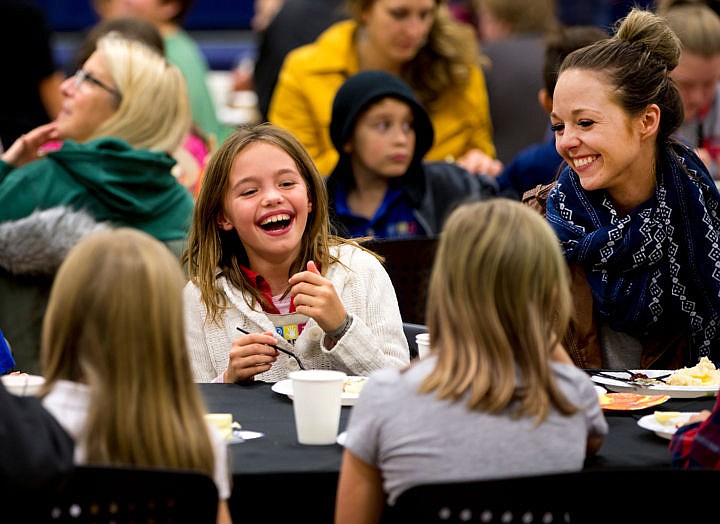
(497, 396)
(115, 361)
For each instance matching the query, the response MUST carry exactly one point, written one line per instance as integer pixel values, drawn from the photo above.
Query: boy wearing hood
(381, 187)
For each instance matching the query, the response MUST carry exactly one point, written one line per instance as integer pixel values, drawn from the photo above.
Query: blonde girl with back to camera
(497, 396)
(116, 365)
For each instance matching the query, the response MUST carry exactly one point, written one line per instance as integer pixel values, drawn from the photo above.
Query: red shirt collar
(257, 281)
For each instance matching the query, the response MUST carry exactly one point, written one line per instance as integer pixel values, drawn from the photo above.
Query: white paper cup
(23, 384)
(423, 344)
(316, 403)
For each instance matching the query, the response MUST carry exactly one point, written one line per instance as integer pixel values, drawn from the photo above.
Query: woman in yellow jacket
(415, 39)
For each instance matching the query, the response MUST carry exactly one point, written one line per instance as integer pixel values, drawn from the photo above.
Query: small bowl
(23, 384)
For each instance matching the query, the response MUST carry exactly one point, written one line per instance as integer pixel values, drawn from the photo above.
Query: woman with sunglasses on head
(122, 115)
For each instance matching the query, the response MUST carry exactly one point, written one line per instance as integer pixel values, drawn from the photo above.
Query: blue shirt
(395, 218)
(7, 362)
(534, 165)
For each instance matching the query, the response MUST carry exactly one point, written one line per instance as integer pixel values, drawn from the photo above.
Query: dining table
(276, 479)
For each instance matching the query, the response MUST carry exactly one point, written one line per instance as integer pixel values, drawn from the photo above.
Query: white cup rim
(317, 375)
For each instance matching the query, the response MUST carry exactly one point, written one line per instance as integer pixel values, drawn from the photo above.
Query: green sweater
(182, 51)
(107, 178)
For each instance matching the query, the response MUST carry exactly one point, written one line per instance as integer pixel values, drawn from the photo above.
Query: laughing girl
(261, 259)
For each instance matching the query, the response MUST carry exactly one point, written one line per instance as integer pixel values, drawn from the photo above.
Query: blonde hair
(211, 248)
(498, 305)
(114, 322)
(154, 111)
(445, 61)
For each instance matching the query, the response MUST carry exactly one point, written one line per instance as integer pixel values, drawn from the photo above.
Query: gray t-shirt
(415, 439)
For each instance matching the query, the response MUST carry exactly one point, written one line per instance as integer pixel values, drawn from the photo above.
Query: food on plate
(666, 417)
(704, 373)
(223, 422)
(628, 401)
(642, 378)
(353, 384)
(672, 419)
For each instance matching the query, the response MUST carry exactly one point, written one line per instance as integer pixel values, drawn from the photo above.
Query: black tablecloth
(275, 478)
(629, 445)
(257, 408)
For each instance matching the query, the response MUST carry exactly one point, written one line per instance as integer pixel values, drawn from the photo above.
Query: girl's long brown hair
(212, 250)
(114, 321)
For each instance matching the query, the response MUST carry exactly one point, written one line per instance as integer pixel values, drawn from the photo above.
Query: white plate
(650, 423)
(284, 387)
(673, 391)
(241, 435)
(23, 384)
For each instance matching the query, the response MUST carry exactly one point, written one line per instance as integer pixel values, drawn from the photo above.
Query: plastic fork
(281, 350)
(642, 376)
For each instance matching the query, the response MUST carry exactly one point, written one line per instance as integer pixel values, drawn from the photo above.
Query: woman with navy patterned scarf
(635, 211)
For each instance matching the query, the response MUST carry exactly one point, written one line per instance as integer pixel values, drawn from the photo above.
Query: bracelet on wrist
(337, 333)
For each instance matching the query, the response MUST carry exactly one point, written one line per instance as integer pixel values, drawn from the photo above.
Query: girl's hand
(699, 417)
(249, 356)
(315, 296)
(27, 147)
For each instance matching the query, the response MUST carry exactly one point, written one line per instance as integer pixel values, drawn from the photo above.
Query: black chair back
(410, 331)
(587, 496)
(124, 495)
(408, 261)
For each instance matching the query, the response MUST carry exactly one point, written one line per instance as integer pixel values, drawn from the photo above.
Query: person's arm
(695, 444)
(594, 443)
(223, 515)
(315, 296)
(250, 355)
(37, 244)
(201, 360)
(587, 400)
(560, 355)
(374, 339)
(479, 163)
(27, 148)
(28, 182)
(360, 498)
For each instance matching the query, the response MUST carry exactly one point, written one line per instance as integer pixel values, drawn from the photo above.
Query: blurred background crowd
(243, 45)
